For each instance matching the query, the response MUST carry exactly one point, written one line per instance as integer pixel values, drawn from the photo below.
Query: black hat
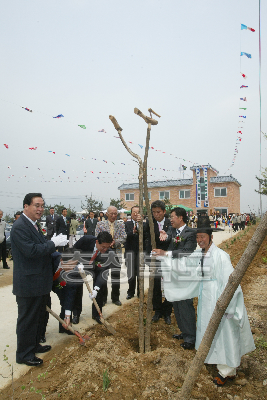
(203, 225)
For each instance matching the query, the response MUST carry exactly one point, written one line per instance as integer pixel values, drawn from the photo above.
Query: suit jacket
(51, 224)
(90, 226)
(159, 244)
(87, 244)
(132, 240)
(32, 274)
(119, 231)
(61, 227)
(187, 244)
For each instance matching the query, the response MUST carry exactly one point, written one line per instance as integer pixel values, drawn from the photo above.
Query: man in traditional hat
(209, 269)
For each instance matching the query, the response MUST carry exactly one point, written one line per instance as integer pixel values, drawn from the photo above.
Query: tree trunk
(141, 266)
(141, 260)
(221, 305)
(153, 242)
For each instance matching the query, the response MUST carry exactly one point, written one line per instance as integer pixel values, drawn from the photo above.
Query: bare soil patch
(71, 371)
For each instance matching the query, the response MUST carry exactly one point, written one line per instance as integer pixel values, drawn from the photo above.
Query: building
(206, 192)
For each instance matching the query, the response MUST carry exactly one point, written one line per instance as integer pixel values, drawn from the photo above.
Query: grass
(106, 380)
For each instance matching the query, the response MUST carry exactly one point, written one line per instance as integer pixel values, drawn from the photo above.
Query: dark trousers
(163, 308)
(3, 252)
(99, 299)
(132, 264)
(78, 301)
(115, 285)
(185, 315)
(31, 314)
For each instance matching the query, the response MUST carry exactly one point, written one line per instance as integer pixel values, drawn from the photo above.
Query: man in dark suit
(132, 251)
(32, 278)
(51, 223)
(90, 224)
(162, 309)
(63, 226)
(93, 249)
(182, 241)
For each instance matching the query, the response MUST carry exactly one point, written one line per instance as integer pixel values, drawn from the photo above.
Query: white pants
(225, 371)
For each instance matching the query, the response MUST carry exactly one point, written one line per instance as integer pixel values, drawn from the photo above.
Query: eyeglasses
(39, 206)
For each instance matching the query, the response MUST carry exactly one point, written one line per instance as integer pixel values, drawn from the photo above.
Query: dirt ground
(71, 371)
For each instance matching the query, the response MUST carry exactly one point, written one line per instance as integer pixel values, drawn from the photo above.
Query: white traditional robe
(233, 337)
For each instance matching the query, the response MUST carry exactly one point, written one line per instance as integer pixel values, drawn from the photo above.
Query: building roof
(221, 179)
(202, 166)
(176, 182)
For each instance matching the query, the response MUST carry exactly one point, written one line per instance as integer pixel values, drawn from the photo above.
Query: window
(202, 188)
(149, 196)
(164, 195)
(184, 194)
(129, 196)
(220, 192)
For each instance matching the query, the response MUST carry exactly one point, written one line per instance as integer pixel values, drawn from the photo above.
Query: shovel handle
(83, 275)
(70, 328)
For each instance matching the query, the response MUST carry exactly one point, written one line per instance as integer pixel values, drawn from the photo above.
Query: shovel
(81, 338)
(105, 323)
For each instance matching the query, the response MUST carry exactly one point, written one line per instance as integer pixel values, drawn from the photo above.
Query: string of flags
(107, 162)
(242, 121)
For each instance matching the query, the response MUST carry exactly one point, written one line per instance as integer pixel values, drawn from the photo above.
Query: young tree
(92, 204)
(144, 334)
(118, 203)
(263, 183)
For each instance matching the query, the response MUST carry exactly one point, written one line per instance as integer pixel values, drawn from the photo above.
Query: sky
(89, 59)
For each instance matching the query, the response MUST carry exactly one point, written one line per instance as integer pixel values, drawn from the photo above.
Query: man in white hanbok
(209, 270)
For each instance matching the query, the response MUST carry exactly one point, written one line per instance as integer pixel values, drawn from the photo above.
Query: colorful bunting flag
(244, 76)
(247, 27)
(245, 54)
(27, 109)
(82, 126)
(243, 98)
(6, 145)
(59, 116)
(243, 86)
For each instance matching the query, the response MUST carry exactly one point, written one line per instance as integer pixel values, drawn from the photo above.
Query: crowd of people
(54, 262)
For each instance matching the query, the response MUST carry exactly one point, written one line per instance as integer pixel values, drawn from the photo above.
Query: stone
(229, 397)
(241, 382)
(264, 382)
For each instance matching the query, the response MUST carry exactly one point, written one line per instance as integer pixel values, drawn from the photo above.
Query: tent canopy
(186, 208)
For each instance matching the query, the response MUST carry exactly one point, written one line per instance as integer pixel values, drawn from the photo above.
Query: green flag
(82, 126)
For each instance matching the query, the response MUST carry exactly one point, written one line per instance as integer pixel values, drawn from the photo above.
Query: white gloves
(60, 240)
(94, 293)
(80, 267)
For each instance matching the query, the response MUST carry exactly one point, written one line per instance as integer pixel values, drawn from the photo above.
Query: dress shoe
(33, 362)
(43, 349)
(75, 319)
(187, 346)
(43, 339)
(156, 317)
(178, 336)
(63, 330)
(104, 303)
(117, 302)
(168, 320)
(6, 267)
(128, 297)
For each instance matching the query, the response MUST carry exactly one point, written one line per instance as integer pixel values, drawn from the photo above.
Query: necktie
(178, 231)
(94, 257)
(159, 224)
(36, 227)
(52, 216)
(111, 228)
